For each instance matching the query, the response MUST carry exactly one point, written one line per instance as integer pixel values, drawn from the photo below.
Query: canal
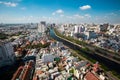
(110, 65)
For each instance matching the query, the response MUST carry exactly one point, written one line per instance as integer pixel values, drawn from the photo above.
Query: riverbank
(91, 48)
(92, 60)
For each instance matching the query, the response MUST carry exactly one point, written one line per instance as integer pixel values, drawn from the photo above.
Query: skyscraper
(43, 23)
(42, 27)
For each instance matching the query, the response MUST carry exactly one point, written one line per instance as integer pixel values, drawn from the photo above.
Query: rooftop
(90, 76)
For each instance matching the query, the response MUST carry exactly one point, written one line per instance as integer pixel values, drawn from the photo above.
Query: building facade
(7, 55)
(42, 27)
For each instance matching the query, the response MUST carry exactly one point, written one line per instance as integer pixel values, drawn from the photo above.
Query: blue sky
(60, 11)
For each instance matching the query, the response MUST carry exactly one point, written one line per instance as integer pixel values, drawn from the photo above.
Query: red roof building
(43, 42)
(90, 76)
(96, 67)
(28, 43)
(24, 73)
(17, 73)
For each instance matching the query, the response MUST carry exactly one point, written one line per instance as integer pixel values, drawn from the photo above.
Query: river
(111, 66)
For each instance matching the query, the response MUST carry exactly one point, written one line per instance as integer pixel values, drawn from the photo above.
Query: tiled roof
(39, 72)
(17, 73)
(24, 73)
(90, 76)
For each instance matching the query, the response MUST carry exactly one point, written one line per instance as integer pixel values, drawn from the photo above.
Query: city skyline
(60, 11)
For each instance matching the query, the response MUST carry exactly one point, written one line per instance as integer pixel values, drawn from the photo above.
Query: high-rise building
(42, 27)
(103, 27)
(76, 29)
(7, 55)
(79, 29)
(43, 23)
(90, 35)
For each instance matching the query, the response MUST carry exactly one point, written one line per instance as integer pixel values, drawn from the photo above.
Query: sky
(60, 11)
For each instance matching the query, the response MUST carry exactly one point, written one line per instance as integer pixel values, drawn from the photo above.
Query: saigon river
(111, 66)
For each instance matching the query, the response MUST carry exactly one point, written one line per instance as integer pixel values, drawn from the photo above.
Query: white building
(117, 29)
(79, 29)
(41, 27)
(94, 28)
(47, 58)
(62, 28)
(76, 29)
(7, 55)
(72, 33)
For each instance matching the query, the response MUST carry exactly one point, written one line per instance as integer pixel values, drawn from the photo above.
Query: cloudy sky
(60, 11)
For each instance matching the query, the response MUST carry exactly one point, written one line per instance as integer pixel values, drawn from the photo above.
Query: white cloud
(70, 17)
(61, 15)
(59, 11)
(78, 16)
(87, 15)
(112, 14)
(53, 13)
(9, 4)
(85, 7)
(44, 17)
(23, 8)
(0, 2)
